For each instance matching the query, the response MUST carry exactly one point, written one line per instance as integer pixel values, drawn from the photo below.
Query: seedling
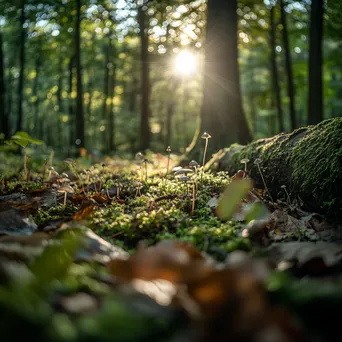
(257, 163)
(139, 187)
(205, 136)
(23, 139)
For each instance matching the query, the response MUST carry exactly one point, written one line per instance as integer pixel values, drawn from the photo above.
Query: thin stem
(168, 163)
(65, 198)
(205, 151)
(193, 198)
(263, 180)
(145, 172)
(25, 165)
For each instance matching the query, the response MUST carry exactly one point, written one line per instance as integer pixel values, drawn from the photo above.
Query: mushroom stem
(145, 172)
(168, 163)
(205, 151)
(193, 198)
(65, 198)
(263, 180)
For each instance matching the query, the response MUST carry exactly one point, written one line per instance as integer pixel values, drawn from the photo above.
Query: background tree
(315, 106)
(222, 113)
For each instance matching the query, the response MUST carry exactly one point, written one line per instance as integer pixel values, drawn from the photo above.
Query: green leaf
(232, 196)
(23, 139)
(258, 211)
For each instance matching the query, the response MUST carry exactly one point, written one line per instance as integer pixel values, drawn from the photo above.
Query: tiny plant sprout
(66, 189)
(168, 150)
(257, 163)
(205, 136)
(245, 161)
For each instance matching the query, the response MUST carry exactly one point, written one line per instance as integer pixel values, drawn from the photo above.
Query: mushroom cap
(193, 163)
(257, 161)
(65, 175)
(183, 172)
(205, 135)
(183, 179)
(244, 161)
(283, 186)
(51, 168)
(176, 168)
(168, 149)
(139, 155)
(66, 188)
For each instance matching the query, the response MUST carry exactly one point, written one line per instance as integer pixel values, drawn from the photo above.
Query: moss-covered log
(307, 161)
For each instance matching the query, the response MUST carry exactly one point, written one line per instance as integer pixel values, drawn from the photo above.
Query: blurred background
(127, 75)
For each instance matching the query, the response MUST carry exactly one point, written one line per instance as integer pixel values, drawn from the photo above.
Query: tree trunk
(288, 67)
(35, 93)
(59, 100)
(3, 114)
(107, 53)
(274, 69)
(222, 113)
(79, 129)
(315, 105)
(306, 161)
(111, 114)
(71, 104)
(145, 134)
(22, 67)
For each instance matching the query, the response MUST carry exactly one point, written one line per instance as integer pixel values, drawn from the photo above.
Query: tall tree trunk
(274, 70)
(288, 67)
(145, 135)
(111, 114)
(22, 67)
(107, 52)
(79, 129)
(315, 105)
(3, 114)
(222, 113)
(60, 100)
(35, 93)
(71, 104)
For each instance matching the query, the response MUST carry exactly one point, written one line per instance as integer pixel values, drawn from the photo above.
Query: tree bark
(305, 161)
(35, 93)
(288, 67)
(71, 104)
(79, 129)
(4, 128)
(145, 134)
(111, 114)
(274, 69)
(21, 67)
(315, 105)
(222, 112)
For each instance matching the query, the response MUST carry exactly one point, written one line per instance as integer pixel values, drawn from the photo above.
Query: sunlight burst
(185, 63)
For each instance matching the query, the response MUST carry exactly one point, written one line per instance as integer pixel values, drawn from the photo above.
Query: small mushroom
(245, 161)
(194, 165)
(183, 172)
(66, 189)
(138, 187)
(257, 163)
(205, 136)
(184, 179)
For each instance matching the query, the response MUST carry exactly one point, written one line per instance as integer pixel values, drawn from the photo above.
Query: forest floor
(122, 250)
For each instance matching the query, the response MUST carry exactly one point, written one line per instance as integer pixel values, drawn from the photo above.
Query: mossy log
(307, 161)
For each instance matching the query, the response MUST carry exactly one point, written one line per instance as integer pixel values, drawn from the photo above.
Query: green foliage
(23, 139)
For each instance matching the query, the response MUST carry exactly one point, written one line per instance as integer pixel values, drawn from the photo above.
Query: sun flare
(185, 63)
